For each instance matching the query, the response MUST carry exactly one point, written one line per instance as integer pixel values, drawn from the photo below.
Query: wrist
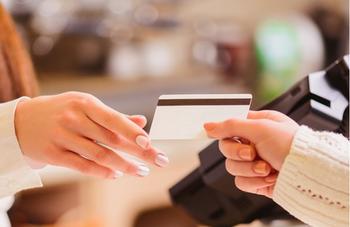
(18, 120)
(290, 135)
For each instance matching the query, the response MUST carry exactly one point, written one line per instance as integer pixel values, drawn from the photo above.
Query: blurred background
(128, 52)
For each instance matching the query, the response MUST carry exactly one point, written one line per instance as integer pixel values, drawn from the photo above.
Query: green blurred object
(278, 57)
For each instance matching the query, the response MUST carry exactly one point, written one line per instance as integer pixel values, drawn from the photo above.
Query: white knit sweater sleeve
(15, 173)
(313, 184)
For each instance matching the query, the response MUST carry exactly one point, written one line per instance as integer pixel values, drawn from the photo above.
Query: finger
(243, 128)
(235, 127)
(252, 184)
(236, 151)
(104, 157)
(75, 162)
(248, 169)
(114, 141)
(151, 155)
(117, 123)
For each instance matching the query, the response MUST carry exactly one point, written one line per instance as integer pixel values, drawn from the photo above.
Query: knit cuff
(313, 183)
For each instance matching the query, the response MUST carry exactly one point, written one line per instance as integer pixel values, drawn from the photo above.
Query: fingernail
(161, 160)
(143, 171)
(118, 174)
(209, 126)
(142, 141)
(245, 154)
(271, 178)
(260, 167)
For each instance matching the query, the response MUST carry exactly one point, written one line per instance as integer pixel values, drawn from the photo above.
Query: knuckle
(79, 100)
(67, 118)
(86, 168)
(102, 156)
(110, 118)
(230, 122)
(114, 138)
(129, 167)
(146, 154)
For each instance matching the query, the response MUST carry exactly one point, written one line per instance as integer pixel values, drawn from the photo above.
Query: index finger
(267, 114)
(117, 123)
(234, 127)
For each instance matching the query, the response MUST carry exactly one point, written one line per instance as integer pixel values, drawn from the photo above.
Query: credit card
(181, 117)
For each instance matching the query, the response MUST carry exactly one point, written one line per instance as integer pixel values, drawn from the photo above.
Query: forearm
(15, 173)
(313, 184)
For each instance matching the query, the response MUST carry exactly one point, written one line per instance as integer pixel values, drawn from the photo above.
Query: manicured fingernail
(143, 171)
(245, 154)
(209, 126)
(271, 178)
(118, 174)
(161, 160)
(142, 141)
(260, 167)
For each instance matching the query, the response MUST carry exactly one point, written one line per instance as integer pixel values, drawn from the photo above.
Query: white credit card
(181, 117)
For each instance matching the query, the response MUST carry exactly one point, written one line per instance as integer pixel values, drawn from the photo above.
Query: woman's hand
(64, 130)
(267, 137)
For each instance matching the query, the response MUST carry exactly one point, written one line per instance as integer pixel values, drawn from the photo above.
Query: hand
(255, 164)
(64, 130)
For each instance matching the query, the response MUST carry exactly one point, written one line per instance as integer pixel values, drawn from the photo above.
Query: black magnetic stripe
(202, 102)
